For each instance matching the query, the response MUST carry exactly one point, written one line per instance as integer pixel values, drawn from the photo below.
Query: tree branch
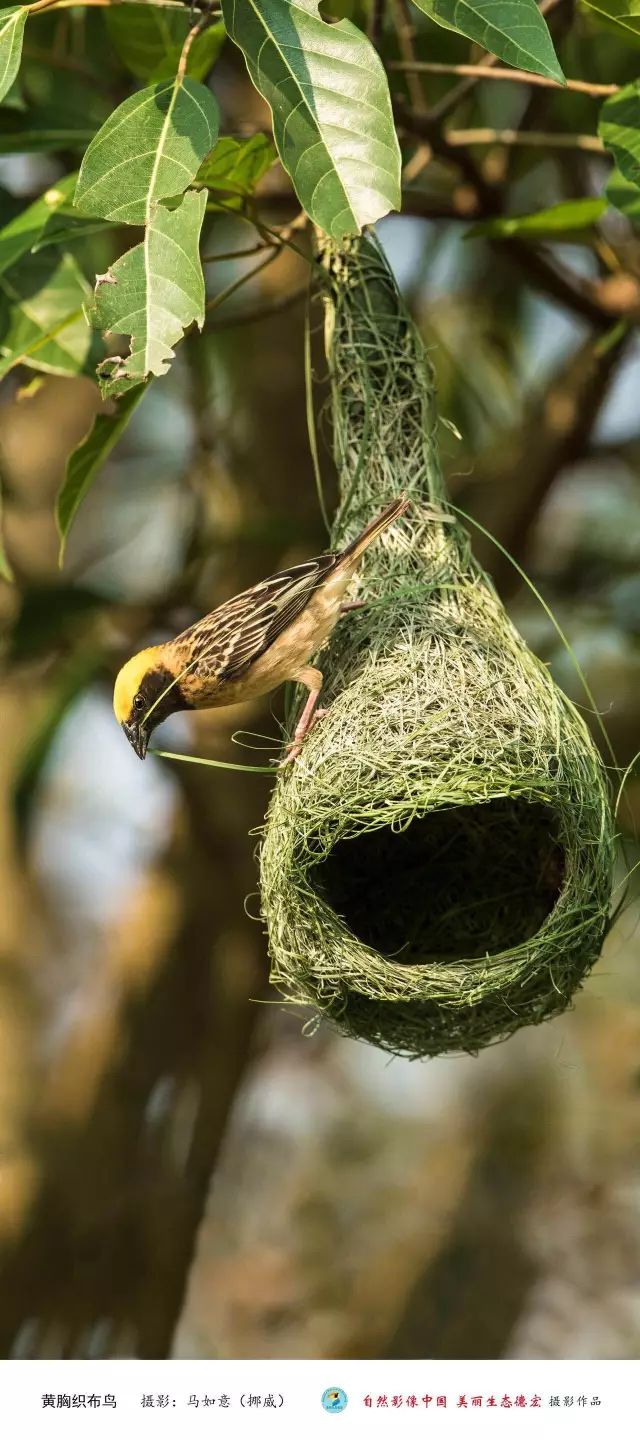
(587, 298)
(542, 138)
(502, 72)
(458, 92)
(406, 34)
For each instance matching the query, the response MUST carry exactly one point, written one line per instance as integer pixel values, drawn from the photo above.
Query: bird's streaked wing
(226, 642)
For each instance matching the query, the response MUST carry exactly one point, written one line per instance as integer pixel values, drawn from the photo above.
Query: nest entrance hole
(459, 883)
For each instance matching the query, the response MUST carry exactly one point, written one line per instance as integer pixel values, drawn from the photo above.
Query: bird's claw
(294, 747)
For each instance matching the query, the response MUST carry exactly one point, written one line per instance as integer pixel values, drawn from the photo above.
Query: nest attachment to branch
(436, 867)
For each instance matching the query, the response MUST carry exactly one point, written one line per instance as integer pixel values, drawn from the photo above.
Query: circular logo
(334, 1401)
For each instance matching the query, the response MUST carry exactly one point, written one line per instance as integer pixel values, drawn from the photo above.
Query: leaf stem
(196, 29)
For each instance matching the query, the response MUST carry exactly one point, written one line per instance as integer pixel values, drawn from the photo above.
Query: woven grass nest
(436, 868)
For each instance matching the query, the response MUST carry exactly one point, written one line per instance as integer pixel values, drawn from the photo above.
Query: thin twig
(69, 4)
(375, 23)
(260, 312)
(406, 34)
(242, 280)
(283, 235)
(426, 128)
(458, 92)
(62, 4)
(502, 72)
(578, 295)
(488, 136)
(195, 30)
(234, 254)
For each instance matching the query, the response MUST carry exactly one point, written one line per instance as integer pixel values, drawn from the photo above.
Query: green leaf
(569, 217)
(514, 30)
(149, 41)
(619, 129)
(12, 23)
(624, 196)
(42, 320)
(21, 233)
(148, 150)
(234, 167)
(152, 294)
(68, 227)
(624, 14)
(329, 98)
(87, 458)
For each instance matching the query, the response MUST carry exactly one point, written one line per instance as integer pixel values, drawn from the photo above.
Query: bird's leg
(352, 605)
(313, 680)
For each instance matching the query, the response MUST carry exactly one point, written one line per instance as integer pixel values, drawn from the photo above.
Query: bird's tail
(374, 528)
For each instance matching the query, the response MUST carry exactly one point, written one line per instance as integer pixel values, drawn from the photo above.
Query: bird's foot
(294, 747)
(352, 605)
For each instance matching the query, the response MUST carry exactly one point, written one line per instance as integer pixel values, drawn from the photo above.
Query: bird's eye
(139, 704)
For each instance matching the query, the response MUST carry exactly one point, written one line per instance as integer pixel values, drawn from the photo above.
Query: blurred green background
(183, 1171)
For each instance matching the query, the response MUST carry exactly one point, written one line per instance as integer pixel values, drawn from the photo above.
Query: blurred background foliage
(183, 1170)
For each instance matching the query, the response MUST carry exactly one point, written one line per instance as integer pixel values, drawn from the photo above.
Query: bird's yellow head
(145, 692)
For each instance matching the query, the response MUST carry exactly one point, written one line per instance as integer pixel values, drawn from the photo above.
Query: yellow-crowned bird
(247, 646)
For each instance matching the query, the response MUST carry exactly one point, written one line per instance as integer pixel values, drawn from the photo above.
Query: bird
(248, 645)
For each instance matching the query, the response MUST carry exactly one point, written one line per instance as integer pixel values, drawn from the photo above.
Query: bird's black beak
(138, 738)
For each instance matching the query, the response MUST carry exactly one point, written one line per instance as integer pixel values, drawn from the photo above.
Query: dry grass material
(436, 868)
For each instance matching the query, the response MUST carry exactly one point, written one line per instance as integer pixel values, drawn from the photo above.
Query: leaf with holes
(152, 294)
(12, 23)
(234, 167)
(42, 320)
(619, 129)
(149, 149)
(329, 97)
(514, 30)
(86, 460)
(149, 41)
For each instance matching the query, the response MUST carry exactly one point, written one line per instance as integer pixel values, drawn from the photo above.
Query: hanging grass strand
(436, 868)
